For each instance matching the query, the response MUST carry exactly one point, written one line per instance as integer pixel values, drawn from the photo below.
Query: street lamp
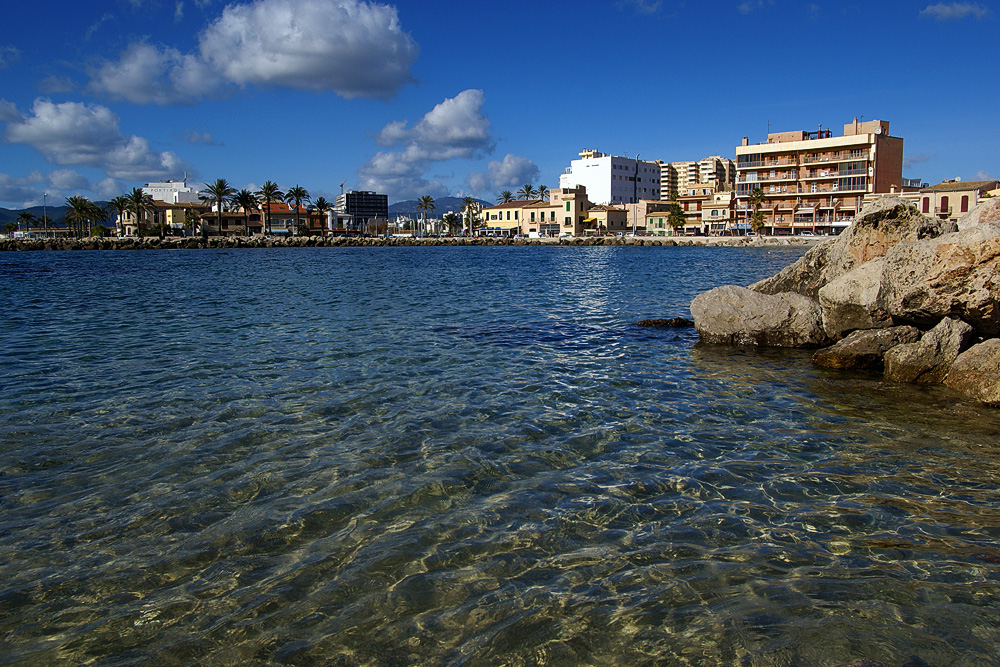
(635, 195)
(45, 222)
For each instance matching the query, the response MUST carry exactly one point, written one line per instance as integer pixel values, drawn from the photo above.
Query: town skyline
(434, 99)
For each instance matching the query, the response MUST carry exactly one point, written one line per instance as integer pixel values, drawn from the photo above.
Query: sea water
(466, 456)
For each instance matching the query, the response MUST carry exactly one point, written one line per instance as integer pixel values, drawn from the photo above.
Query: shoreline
(189, 243)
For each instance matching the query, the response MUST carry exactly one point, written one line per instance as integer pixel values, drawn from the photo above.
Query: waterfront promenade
(175, 243)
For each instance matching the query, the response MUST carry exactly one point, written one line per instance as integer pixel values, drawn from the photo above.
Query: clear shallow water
(402, 456)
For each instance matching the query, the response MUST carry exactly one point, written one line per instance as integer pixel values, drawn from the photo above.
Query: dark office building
(363, 206)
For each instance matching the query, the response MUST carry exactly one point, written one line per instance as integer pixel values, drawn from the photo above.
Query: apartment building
(953, 199)
(815, 181)
(715, 171)
(567, 213)
(363, 207)
(172, 192)
(612, 179)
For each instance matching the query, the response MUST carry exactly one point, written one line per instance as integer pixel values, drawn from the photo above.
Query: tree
(119, 205)
(471, 209)
(675, 215)
(296, 195)
(322, 207)
(10, 228)
(425, 204)
(191, 220)
(138, 203)
(505, 197)
(27, 219)
(268, 194)
(81, 213)
(527, 191)
(755, 200)
(452, 223)
(247, 201)
(543, 192)
(218, 192)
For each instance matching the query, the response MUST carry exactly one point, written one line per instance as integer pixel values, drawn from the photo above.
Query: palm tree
(81, 211)
(527, 191)
(505, 197)
(10, 228)
(425, 204)
(219, 192)
(452, 223)
(247, 201)
(119, 205)
(321, 206)
(138, 203)
(297, 194)
(191, 219)
(756, 199)
(471, 208)
(268, 194)
(27, 219)
(543, 192)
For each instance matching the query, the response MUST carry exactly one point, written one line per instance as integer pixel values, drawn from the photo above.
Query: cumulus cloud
(513, 172)
(456, 128)
(955, 11)
(8, 111)
(353, 48)
(75, 134)
(18, 190)
(67, 179)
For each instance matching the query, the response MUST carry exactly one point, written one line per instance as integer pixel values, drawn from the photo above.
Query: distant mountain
(55, 213)
(441, 206)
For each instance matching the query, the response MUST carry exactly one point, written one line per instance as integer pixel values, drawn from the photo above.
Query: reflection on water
(466, 456)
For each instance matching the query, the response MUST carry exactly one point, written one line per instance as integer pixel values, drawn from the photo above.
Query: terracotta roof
(962, 186)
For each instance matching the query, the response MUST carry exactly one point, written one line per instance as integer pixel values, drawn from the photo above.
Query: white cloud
(456, 128)
(983, 175)
(67, 179)
(955, 10)
(912, 160)
(353, 48)
(205, 138)
(513, 172)
(8, 56)
(752, 5)
(75, 134)
(18, 191)
(9, 112)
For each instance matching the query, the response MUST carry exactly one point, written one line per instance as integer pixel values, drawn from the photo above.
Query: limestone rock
(865, 350)
(878, 227)
(957, 275)
(976, 372)
(731, 315)
(853, 301)
(987, 212)
(928, 360)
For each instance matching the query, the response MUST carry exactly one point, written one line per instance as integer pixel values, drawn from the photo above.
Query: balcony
(819, 159)
(757, 164)
(943, 210)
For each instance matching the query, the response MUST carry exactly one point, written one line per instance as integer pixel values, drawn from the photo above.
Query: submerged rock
(731, 315)
(865, 350)
(669, 322)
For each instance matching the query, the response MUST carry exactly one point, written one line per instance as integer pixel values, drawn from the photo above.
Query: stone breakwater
(901, 293)
(185, 243)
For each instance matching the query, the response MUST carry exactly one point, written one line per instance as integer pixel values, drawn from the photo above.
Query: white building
(612, 179)
(172, 192)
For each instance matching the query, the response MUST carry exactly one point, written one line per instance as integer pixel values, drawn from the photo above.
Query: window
(944, 205)
(927, 205)
(532, 216)
(965, 204)
(567, 206)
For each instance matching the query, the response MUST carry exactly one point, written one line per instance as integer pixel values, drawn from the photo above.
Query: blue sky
(443, 97)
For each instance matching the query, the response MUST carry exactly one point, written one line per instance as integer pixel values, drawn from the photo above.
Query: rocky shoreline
(899, 292)
(188, 243)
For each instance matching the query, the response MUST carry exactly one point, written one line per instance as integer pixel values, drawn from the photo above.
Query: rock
(865, 662)
(987, 212)
(878, 227)
(957, 275)
(854, 301)
(976, 372)
(865, 350)
(731, 315)
(928, 360)
(670, 322)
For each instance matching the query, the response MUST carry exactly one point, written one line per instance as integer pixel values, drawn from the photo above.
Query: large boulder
(731, 315)
(957, 275)
(987, 212)
(865, 350)
(928, 360)
(976, 372)
(877, 227)
(854, 301)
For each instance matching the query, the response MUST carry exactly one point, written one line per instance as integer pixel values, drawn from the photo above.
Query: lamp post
(45, 221)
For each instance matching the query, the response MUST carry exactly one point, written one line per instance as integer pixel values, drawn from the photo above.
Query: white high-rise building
(611, 179)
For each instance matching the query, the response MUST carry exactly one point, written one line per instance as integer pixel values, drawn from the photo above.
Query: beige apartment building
(814, 181)
(566, 213)
(953, 199)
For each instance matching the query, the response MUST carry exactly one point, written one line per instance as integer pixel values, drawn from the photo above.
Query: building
(953, 199)
(365, 208)
(815, 181)
(172, 192)
(611, 179)
(716, 171)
